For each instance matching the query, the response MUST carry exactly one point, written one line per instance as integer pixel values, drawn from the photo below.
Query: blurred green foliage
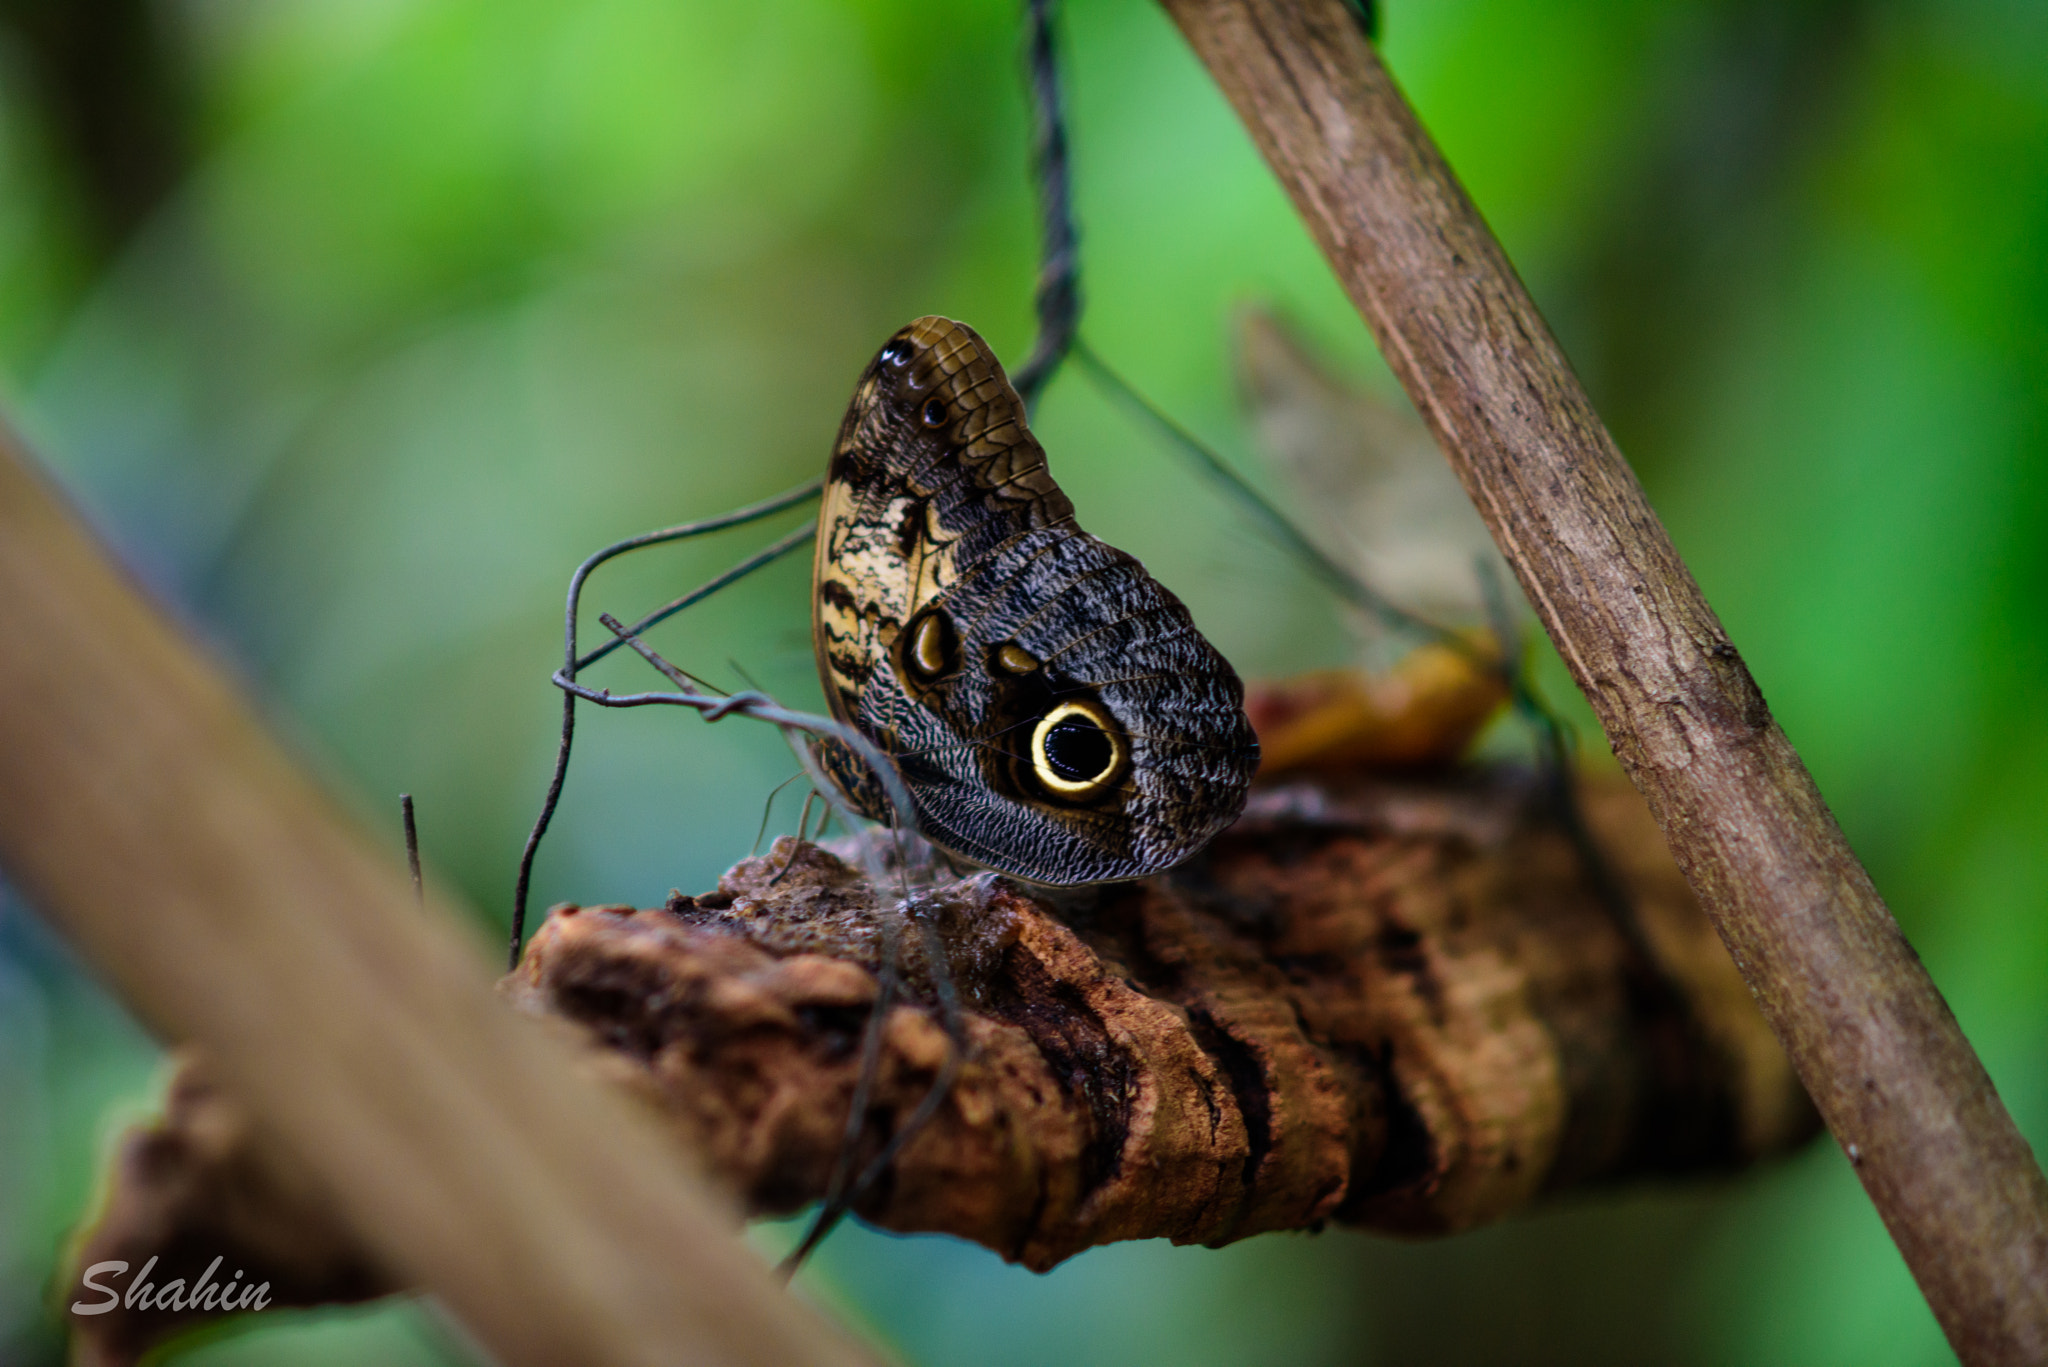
(453, 291)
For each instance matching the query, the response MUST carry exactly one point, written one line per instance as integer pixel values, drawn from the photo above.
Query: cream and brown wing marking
(934, 467)
(1052, 707)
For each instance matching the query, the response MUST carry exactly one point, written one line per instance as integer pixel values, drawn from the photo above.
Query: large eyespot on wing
(1077, 750)
(1092, 734)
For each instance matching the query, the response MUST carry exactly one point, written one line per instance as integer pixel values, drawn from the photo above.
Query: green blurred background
(355, 323)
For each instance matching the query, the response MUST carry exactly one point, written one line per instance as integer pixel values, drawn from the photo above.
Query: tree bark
(1902, 1090)
(1395, 1003)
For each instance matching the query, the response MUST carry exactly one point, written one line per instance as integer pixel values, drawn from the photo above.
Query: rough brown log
(1384, 1002)
(1898, 1084)
(217, 1211)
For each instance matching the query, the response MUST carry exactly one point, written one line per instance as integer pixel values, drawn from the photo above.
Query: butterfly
(1050, 706)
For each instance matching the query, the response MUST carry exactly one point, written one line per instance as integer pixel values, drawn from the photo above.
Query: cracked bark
(1382, 1001)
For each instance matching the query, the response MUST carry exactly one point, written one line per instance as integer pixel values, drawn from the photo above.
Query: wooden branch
(210, 884)
(1390, 1003)
(1877, 1046)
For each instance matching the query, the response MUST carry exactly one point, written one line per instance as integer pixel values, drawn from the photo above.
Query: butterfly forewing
(1052, 707)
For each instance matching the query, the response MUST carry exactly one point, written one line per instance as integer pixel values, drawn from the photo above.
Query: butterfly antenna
(522, 885)
(412, 848)
(1058, 298)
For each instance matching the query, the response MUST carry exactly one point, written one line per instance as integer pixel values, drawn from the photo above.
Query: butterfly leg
(803, 820)
(768, 807)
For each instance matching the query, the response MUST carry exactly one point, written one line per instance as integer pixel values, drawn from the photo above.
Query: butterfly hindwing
(1052, 707)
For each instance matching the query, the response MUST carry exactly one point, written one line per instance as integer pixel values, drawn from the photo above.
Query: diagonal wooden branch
(212, 885)
(1880, 1052)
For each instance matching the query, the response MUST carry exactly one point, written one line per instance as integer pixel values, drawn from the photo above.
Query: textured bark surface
(1380, 1002)
(1391, 1003)
(1877, 1046)
(218, 1212)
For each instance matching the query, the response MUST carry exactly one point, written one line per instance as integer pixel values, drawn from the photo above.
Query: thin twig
(1058, 299)
(753, 704)
(1872, 1038)
(761, 707)
(888, 981)
(795, 540)
(522, 885)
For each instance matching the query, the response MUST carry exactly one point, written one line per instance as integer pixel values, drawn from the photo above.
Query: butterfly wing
(1052, 707)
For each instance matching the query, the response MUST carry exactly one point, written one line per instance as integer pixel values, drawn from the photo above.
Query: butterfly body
(1051, 707)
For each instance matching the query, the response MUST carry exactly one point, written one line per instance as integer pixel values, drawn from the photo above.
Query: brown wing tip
(947, 347)
(947, 356)
(936, 331)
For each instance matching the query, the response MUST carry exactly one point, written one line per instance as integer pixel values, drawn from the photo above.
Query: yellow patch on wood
(1425, 710)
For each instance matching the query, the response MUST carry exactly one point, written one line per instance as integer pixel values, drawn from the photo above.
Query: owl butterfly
(1050, 706)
